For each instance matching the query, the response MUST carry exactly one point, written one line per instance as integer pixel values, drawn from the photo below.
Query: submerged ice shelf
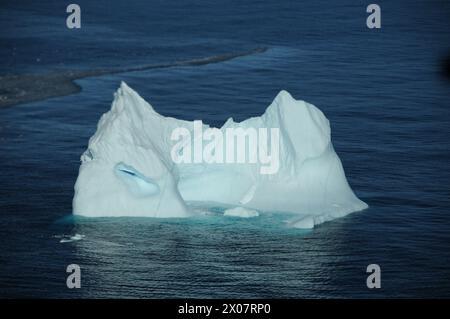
(129, 169)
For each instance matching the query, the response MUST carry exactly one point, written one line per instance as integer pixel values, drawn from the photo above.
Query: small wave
(69, 239)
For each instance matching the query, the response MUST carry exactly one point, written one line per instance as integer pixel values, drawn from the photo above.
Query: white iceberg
(241, 212)
(128, 168)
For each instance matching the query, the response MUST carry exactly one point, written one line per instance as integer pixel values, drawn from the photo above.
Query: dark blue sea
(383, 91)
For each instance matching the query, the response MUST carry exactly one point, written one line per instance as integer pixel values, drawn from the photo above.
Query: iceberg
(129, 168)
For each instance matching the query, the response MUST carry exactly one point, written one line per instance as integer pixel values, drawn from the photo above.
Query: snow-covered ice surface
(128, 170)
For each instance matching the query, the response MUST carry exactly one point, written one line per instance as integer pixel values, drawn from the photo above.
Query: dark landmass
(16, 89)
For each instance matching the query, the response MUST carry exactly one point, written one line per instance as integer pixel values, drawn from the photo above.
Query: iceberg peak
(127, 98)
(283, 95)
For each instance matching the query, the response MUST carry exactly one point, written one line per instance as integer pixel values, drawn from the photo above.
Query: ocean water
(382, 90)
